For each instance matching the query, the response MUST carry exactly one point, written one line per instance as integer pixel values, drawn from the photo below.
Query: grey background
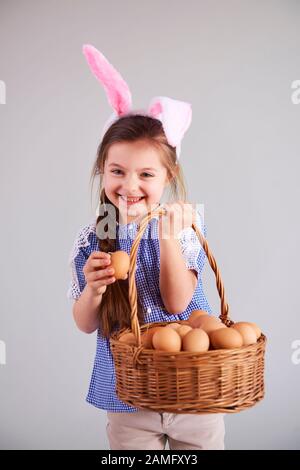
(235, 62)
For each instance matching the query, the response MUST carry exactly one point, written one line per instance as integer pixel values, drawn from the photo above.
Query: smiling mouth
(131, 200)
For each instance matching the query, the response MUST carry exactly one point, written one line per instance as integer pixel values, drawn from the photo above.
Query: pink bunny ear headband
(175, 116)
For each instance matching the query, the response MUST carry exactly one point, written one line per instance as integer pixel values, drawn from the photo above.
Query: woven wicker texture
(217, 381)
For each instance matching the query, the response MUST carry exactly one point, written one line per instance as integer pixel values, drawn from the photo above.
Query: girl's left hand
(179, 215)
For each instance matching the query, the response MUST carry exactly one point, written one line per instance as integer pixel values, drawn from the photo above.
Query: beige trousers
(149, 430)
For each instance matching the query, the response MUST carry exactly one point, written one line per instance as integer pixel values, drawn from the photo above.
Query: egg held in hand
(120, 261)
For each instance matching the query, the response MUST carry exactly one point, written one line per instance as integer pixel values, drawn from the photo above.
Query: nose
(131, 184)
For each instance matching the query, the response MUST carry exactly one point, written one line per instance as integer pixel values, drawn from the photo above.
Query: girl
(136, 164)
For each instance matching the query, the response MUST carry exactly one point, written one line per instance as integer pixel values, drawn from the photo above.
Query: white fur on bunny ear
(175, 115)
(116, 88)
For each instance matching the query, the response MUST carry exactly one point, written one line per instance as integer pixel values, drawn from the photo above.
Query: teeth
(131, 199)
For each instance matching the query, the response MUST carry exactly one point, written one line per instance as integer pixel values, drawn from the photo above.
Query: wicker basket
(217, 381)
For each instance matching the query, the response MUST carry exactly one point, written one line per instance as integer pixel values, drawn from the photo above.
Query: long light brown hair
(114, 309)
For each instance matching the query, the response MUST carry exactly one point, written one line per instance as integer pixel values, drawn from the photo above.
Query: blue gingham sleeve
(192, 250)
(79, 254)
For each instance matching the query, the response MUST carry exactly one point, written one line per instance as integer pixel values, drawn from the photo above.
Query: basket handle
(135, 327)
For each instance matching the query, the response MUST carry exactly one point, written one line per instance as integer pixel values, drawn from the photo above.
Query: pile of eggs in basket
(199, 333)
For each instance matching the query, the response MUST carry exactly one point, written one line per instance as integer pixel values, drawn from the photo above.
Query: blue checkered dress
(102, 389)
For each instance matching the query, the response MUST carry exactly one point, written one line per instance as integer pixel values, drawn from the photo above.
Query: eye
(144, 174)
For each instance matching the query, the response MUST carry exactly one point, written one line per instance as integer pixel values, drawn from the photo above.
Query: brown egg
(196, 340)
(146, 337)
(226, 338)
(175, 326)
(128, 338)
(183, 330)
(166, 339)
(208, 323)
(195, 314)
(184, 322)
(120, 262)
(255, 327)
(247, 332)
(199, 319)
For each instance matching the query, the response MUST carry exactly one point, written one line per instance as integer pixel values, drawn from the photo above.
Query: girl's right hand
(98, 274)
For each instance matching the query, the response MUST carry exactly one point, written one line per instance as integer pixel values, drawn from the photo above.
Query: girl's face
(134, 178)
